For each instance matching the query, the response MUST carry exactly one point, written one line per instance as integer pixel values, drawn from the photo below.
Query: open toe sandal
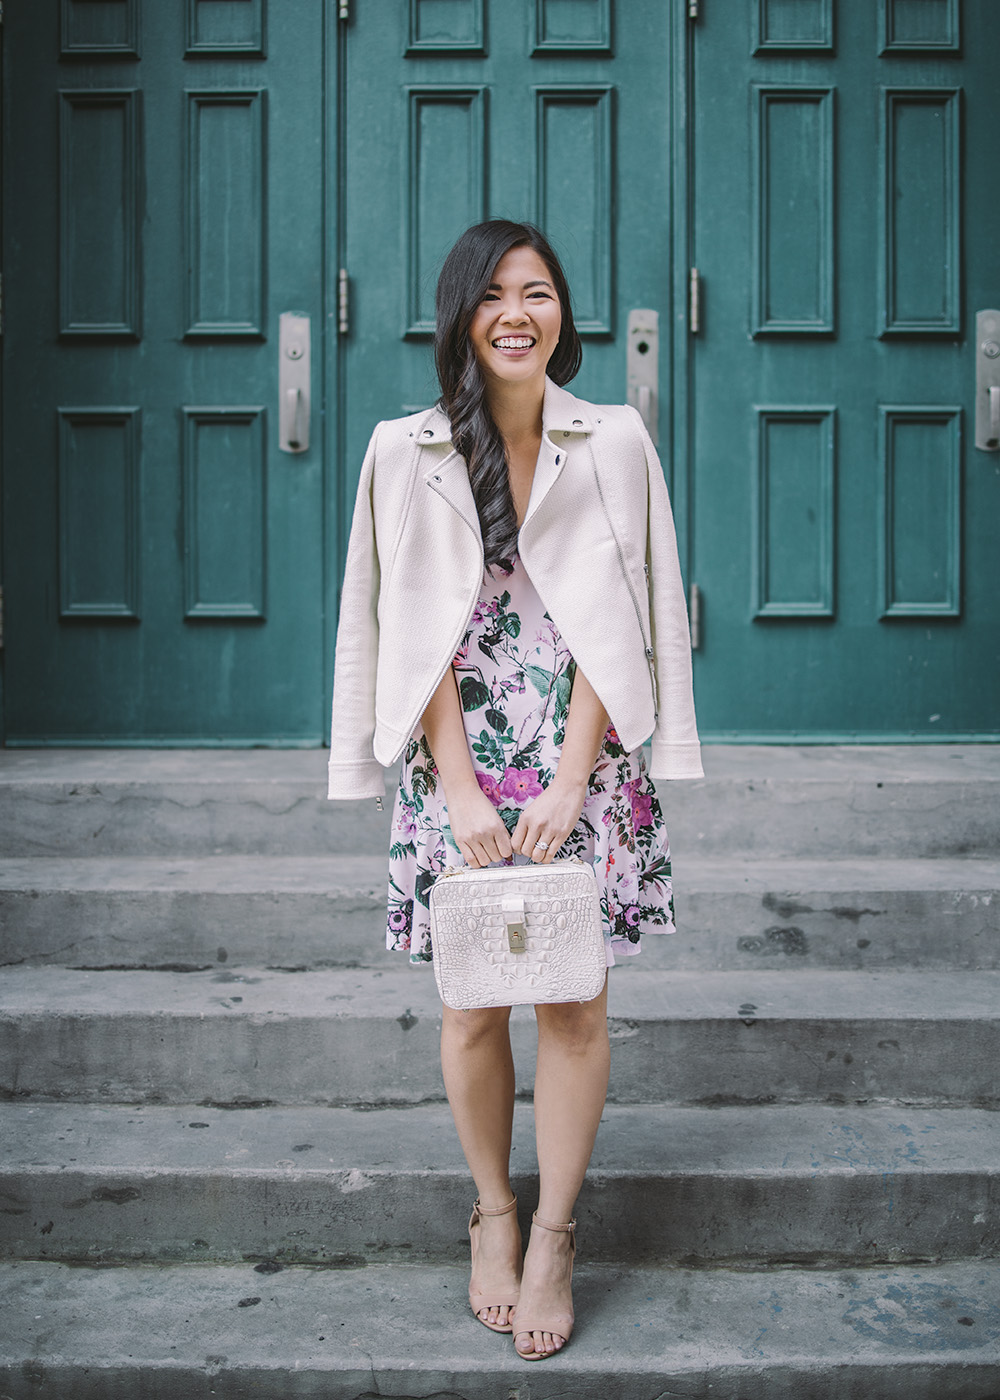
(538, 1322)
(479, 1301)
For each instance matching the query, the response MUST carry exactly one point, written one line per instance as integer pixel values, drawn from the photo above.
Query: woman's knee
(470, 1028)
(576, 1024)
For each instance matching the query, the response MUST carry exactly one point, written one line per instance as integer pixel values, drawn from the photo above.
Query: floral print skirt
(515, 676)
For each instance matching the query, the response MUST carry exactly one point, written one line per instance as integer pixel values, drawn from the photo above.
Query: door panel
(164, 203)
(845, 205)
(531, 109)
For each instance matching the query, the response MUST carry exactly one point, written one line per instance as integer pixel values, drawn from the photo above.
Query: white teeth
(512, 342)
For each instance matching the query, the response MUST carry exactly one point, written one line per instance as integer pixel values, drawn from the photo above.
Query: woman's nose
(515, 315)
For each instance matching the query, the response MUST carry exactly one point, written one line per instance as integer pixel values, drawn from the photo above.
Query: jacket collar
(562, 413)
(564, 418)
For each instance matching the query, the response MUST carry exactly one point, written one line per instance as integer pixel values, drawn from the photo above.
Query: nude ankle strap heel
(480, 1301)
(554, 1324)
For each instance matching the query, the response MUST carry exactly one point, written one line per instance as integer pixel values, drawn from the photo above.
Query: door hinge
(694, 301)
(694, 9)
(694, 613)
(344, 9)
(343, 302)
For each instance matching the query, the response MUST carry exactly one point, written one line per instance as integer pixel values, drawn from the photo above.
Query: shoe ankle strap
(568, 1228)
(478, 1209)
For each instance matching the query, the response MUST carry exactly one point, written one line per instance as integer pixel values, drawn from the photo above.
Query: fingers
(482, 849)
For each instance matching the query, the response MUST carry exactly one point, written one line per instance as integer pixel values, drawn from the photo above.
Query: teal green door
(164, 203)
(846, 209)
(556, 111)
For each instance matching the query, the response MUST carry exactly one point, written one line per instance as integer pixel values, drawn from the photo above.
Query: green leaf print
(474, 693)
(539, 678)
(423, 781)
(564, 687)
(489, 750)
(498, 720)
(511, 624)
(422, 885)
(526, 757)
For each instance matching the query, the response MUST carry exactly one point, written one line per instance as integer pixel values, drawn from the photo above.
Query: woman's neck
(516, 409)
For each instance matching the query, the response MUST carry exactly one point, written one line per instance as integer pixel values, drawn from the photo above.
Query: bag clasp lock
(513, 917)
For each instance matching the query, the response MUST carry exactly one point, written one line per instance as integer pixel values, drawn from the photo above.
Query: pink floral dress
(515, 676)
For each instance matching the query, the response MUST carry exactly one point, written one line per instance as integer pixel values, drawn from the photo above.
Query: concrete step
(806, 1185)
(360, 1036)
(405, 1330)
(323, 911)
(820, 801)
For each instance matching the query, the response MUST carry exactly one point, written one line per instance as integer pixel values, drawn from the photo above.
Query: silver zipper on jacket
(650, 656)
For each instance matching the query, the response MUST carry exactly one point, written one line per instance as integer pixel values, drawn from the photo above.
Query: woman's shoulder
(426, 426)
(619, 423)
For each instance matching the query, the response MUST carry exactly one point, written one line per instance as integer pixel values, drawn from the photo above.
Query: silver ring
(544, 845)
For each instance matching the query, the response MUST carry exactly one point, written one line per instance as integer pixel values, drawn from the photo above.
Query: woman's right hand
(477, 826)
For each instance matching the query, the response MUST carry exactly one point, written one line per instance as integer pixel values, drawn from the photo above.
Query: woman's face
(516, 326)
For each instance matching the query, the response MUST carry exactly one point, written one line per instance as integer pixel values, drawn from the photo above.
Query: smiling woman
(512, 558)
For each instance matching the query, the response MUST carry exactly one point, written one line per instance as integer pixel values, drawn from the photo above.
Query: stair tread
(377, 1327)
(108, 767)
(855, 995)
(805, 1139)
(332, 874)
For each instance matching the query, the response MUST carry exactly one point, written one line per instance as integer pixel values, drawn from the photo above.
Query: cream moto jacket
(597, 542)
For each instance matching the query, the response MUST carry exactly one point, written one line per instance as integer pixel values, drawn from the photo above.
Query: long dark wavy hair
(465, 277)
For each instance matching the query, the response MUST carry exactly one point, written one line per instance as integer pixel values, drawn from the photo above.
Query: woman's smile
(516, 326)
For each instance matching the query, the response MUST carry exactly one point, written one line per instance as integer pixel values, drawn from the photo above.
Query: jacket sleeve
(354, 770)
(676, 751)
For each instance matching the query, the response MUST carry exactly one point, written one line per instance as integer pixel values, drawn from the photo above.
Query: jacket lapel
(565, 421)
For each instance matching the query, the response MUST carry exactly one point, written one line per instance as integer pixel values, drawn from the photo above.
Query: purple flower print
(490, 787)
(642, 809)
(405, 823)
(477, 615)
(632, 916)
(399, 920)
(520, 784)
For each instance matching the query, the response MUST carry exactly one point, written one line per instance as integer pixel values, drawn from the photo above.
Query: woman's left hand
(550, 817)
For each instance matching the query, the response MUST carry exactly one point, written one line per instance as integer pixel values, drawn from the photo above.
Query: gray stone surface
(822, 800)
(405, 1331)
(362, 1036)
(316, 911)
(836, 972)
(770, 1185)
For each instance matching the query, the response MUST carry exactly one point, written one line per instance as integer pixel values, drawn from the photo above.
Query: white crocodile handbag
(511, 935)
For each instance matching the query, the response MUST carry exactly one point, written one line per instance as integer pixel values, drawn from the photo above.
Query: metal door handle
(988, 381)
(643, 367)
(295, 406)
(293, 382)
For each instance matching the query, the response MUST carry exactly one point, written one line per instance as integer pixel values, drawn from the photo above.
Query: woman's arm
(553, 815)
(476, 825)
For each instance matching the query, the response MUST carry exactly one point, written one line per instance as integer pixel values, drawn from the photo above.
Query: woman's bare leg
(479, 1077)
(571, 1083)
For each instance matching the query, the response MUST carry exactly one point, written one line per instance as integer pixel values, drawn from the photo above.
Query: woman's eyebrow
(539, 282)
